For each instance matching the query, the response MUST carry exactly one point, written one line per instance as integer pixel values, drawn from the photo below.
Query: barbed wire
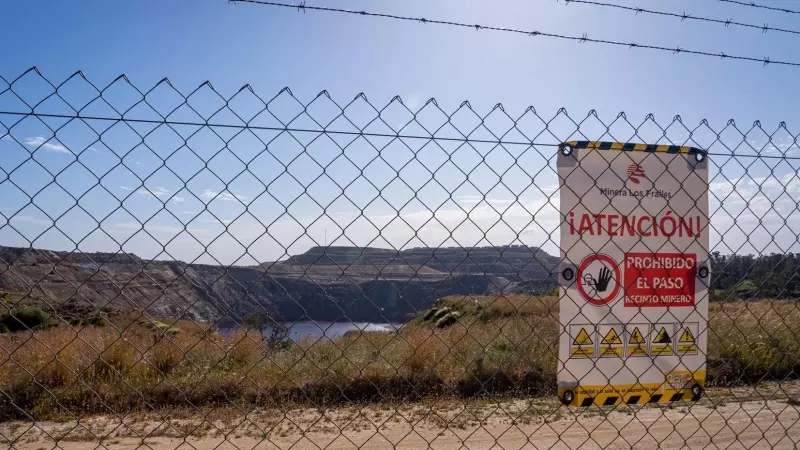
(727, 22)
(583, 38)
(754, 5)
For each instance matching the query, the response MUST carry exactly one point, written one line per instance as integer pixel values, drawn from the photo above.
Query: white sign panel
(634, 275)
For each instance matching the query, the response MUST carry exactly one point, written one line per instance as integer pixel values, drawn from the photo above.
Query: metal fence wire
(200, 270)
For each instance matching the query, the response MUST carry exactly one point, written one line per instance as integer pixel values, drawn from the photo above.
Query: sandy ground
(767, 416)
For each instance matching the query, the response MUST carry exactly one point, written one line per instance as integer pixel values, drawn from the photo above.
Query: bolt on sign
(634, 274)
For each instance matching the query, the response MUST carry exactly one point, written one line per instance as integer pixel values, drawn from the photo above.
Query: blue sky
(190, 183)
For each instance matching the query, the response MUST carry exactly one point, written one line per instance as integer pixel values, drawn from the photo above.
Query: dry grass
(752, 341)
(502, 346)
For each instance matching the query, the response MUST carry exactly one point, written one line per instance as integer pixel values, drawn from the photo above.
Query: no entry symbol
(599, 279)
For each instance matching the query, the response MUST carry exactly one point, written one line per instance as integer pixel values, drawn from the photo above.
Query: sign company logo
(635, 172)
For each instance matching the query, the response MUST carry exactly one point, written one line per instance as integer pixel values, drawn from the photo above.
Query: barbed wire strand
(754, 5)
(727, 22)
(584, 38)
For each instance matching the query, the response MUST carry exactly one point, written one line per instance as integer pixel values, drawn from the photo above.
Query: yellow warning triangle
(611, 337)
(686, 336)
(636, 337)
(582, 338)
(662, 337)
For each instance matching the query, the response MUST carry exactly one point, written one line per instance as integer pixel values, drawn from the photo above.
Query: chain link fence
(201, 270)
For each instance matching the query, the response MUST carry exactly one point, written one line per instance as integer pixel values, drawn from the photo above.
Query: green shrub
(447, 320)
(95, 320)
(166, 330)
(429, 314)
(440, 313)
(745, 289)
(25, 318)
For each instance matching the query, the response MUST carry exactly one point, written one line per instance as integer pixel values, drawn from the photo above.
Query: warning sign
(637, 344)
(662, 339)
(660, 279)
(598, 279)
(611, 344)
(582, 343)
(612, 338)
(634, 276)
(582, 338)
(687, 343)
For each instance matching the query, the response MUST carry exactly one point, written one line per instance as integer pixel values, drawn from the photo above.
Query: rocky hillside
(304, 287)
(516, 262)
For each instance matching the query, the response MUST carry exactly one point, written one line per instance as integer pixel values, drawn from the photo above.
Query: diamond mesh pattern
(191, 269)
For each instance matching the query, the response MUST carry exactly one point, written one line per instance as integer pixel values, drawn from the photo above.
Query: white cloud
(750, 214)
(549, 188)
(216, 222)
(30, 220)
(534, 222)
(475, 199)
(159, 191)
(5, 138)
(721, 189)
(41, 142)
(755, 214)
(154, 228)
(500, 201)
(162, 192)
(469, 198)
(209, 194)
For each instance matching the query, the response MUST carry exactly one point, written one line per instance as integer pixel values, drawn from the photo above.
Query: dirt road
(718, 422)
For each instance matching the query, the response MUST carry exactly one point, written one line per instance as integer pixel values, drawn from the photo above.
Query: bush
(96, 320)
(244, 351)
(165, 356)
(429, 314)
(25, 318)
(114, 361)
(442, 312)
(745, 289)
(447, 320)
(160, 329)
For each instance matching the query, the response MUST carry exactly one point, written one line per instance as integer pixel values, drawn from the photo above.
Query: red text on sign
(667, 225)
(659, 279)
